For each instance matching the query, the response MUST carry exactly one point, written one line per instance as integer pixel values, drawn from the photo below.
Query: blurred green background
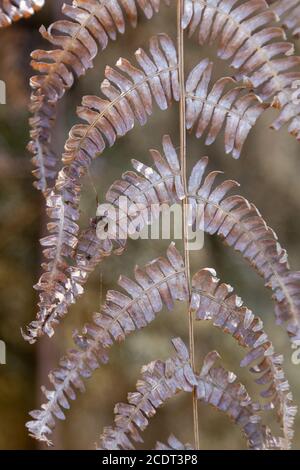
(269, 175)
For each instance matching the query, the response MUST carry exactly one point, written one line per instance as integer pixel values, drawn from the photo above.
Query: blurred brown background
(269, 175)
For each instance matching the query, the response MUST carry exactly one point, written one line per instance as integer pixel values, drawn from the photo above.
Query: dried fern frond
(212, 300)
(159, 283)
(89, 26)
(161, 381)
(151, 187)
(245, 34)
(289, 14)
(129, 93)
(14, 10)
(106, 120)
(218, 387)
(173, 444)
(227, 22)
(232, 218)
(240, 225)
(237, 110)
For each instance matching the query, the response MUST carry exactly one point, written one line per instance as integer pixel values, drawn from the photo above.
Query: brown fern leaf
(159, 382)
(240, 225)
(92, 250)
(237, 110)
(214, 301)
(245, 35)
(218, 387)
(289, 14)
(161, 282)
(89, 27)
(173, 444)
(14, 10)
(146, 193)
(129, 92)
(239, 30)
(162, 380)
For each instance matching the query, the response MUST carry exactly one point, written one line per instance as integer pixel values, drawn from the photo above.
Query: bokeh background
(269, 175)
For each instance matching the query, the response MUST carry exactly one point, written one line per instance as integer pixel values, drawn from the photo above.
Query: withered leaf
(237, 109)
(14, 10)
(89, 26)
(161, 381)
(240, 225)
(60, 284)
(215, 301)
(121, 314)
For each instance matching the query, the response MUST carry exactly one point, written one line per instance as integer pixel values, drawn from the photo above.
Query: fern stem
(183, 146)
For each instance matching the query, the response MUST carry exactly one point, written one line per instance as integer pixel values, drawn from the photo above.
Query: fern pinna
(14, 10)
(251, 36)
